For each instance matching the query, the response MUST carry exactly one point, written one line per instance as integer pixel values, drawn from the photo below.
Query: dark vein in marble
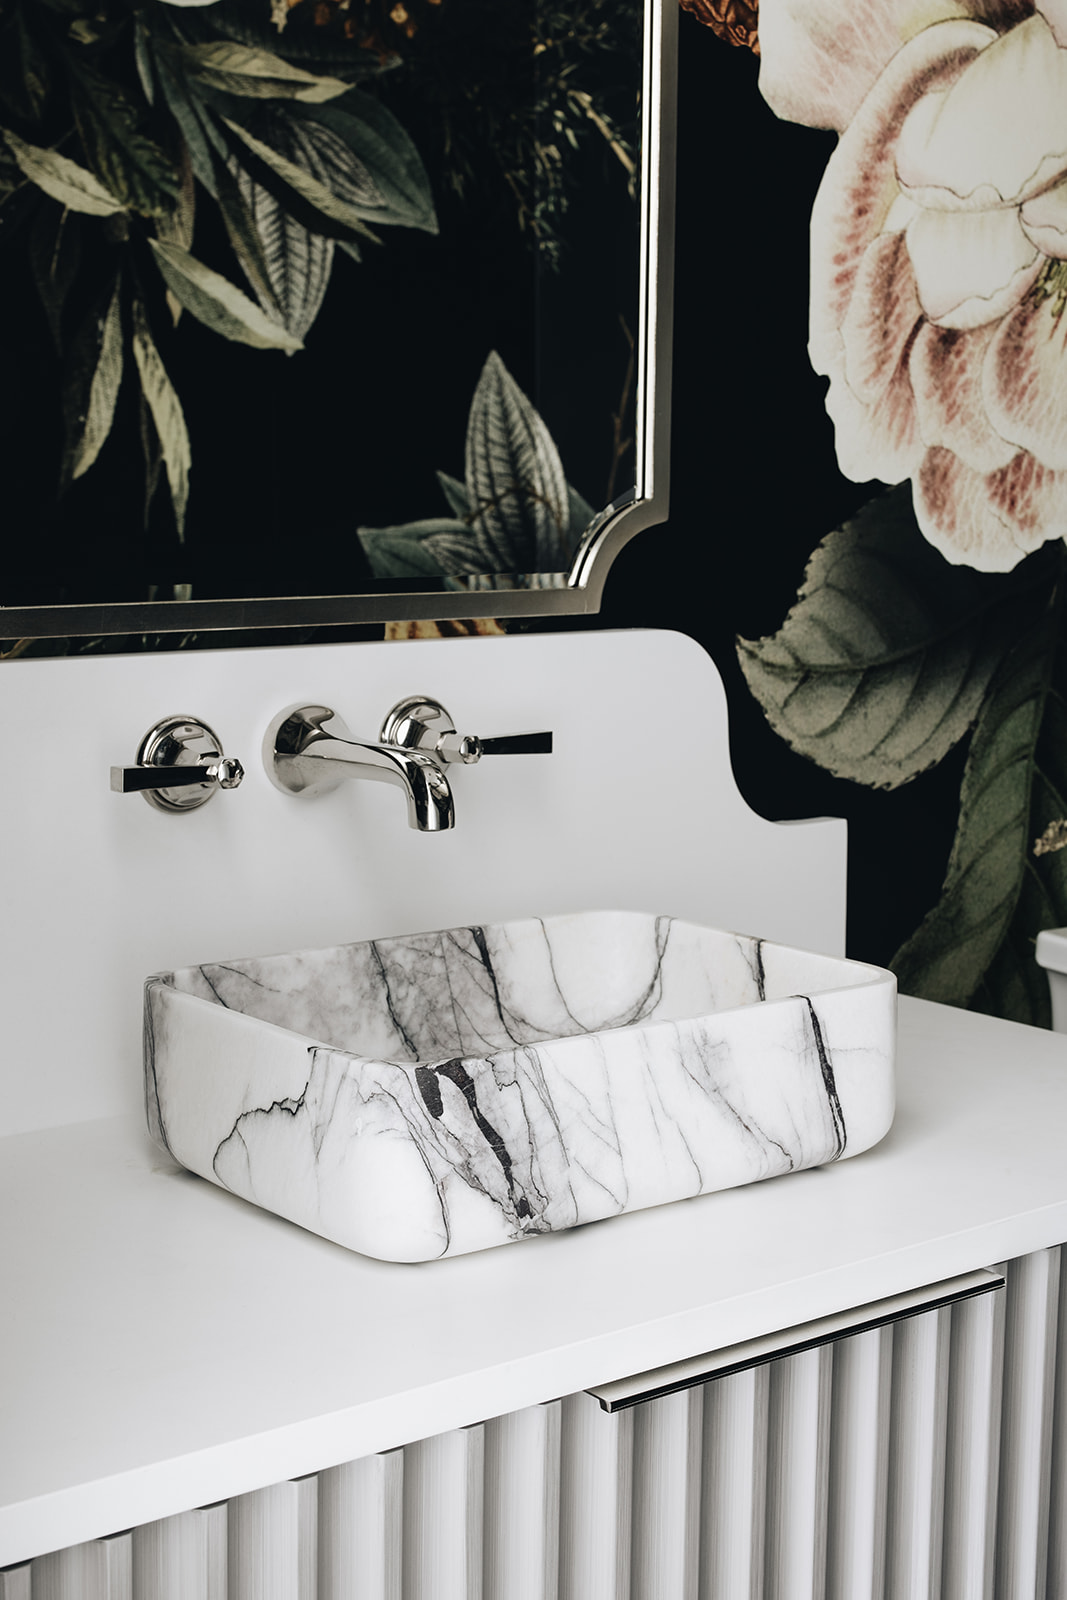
(829, 1081)
(429, 1086)
(389, 1004)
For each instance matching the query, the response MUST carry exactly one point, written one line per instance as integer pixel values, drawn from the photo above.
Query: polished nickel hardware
(180, 765)
(308, 750)
(626, 1392)
(419, 723)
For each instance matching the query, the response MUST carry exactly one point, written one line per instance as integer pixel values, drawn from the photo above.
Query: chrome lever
(419, 723)
(180, 766)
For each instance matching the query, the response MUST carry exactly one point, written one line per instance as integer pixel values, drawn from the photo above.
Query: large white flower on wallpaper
(939, 252)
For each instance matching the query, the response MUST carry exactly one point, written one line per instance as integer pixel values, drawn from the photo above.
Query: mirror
(323, 312)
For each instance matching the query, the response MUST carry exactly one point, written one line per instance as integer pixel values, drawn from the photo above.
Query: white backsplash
(635, 809)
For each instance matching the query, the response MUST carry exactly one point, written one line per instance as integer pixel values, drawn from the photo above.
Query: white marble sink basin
(426, 1096)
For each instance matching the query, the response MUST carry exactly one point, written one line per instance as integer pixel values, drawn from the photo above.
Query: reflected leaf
(163, 403)
(244, 70)
(515, 479)
(387, 153)
(103, 391)
(418, 549)
(62, 179)
(329, 201)
(216, 302)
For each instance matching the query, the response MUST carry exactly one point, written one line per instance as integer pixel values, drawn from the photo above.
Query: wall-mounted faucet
(308, 750)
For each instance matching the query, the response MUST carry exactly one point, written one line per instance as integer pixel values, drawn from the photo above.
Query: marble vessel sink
(426, 1096)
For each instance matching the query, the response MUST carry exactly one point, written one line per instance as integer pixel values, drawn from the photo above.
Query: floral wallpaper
(934, 617)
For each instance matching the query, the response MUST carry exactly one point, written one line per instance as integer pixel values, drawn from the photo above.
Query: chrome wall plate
(180, 766)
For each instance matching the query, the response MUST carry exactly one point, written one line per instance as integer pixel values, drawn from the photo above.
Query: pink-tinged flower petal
(999, 134)
(882, 317)
(859, 186)
(1044, 220)
(820, 58)
(989, 521)
(971, 267)
(1024, 381)
(878, 439)
(946, 381)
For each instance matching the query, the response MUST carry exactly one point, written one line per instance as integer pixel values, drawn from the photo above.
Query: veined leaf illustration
(184, 111)
(245, 70)
(327, 206)
(398, 188)
(244, 236)
(298, 261)
(518, 492)
(162, 401)
(103, 390)
(62, 179)
(217, 302)
(413, 549)
(976, 946)
(129, 163)
(882, 664)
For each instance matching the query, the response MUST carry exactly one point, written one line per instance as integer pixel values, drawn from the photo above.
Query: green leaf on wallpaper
(62, 179)
(162, 401)
(883, 662)
(218, 303)
(976, 947)
(103, 390)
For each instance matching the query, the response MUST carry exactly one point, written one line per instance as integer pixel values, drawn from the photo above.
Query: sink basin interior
(470, 991)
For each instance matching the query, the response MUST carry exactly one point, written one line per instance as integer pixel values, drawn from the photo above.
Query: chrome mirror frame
(641, 507)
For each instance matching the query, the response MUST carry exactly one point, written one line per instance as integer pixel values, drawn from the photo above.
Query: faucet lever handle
(517, 744)
(180, 765)
(420, 723)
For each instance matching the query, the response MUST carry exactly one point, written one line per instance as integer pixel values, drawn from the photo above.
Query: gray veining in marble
(431, 1095)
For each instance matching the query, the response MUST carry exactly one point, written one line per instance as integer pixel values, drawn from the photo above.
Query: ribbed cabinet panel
(443, 1516)
(797, 1472)
(15, 1582)
(182, 1557)
(734, 1486)
(101, 1569)
(596, 1473)
(1056, 1583)
(665, 1522)
(272, 1540)
(1030, 1328)
(915, 1512)
(522, 1504)
(976, 1378)
(859, 1465)
(361, 1529)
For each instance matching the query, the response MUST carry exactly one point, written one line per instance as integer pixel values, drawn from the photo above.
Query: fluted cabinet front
(926, 1460)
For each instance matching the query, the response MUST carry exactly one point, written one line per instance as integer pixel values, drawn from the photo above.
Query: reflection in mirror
(325, 311)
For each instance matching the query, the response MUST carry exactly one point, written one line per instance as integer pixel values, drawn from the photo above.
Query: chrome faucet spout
(308, 750)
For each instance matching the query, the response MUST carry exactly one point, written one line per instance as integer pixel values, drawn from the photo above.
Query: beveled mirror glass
(321, 312)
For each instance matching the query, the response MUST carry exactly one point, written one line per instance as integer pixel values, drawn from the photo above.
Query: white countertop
(163, 1344)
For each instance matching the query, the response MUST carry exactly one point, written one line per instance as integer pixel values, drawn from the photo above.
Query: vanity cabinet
(918, 1459)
